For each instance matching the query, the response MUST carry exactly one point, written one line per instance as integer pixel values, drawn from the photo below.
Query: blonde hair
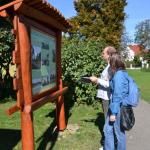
(111, 50)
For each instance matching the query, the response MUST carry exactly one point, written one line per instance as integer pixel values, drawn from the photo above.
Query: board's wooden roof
(47, 8)
(41, 10)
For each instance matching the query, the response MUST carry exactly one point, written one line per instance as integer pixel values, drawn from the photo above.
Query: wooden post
(17, 81)
(60, 110)
(26, 118)
(27, 131)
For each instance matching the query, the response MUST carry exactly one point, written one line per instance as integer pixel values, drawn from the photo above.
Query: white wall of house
(130, 54)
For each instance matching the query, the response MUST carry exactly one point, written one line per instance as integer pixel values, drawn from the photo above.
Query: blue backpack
(134, 93)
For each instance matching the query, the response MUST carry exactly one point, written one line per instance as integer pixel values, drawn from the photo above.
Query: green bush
(81, 58)
(128, 63)
(136, 61)
(6, 43)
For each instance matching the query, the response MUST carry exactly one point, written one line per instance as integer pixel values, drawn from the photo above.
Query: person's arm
(117, 94)
(102, 82)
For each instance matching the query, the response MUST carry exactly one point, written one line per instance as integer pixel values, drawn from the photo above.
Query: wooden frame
(25, 16)
(30, 24)
(25, 101)
(27, 23)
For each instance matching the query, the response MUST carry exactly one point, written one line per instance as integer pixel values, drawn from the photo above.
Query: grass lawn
(89, 121)
(142, 78)
(87, 137)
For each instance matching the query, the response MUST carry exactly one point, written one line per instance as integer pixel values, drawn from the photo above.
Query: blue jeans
(110, 130)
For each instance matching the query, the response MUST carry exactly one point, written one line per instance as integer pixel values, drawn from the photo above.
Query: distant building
(136, 50)
(132, 51)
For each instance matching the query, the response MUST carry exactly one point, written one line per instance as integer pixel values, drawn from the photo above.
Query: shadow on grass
(99, 122)
(9, 138)
(51, 134)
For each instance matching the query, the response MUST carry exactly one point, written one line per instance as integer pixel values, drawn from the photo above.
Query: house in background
(132, 51)
(136, 50)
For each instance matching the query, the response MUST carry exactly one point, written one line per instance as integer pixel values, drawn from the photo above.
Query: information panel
(43, 61)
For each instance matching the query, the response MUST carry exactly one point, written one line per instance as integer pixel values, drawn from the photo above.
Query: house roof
(137, 49)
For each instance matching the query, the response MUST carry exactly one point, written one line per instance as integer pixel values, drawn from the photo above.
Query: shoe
(101, 148)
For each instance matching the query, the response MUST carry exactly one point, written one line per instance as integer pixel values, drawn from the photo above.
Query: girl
(119, 87)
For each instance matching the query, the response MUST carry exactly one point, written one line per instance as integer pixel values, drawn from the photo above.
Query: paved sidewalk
(139, 137)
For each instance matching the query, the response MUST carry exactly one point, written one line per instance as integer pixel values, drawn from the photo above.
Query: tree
(6, 48)
(98, 23)
(6, 43)
(101, 19)
(125, 40)
(136, 60)
(6, 40)
(146, 57)
(142, 34)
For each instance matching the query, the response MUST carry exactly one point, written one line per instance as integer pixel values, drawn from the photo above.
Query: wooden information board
(37, 55)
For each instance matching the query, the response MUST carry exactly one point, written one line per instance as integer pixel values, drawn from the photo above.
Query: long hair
(116, 62)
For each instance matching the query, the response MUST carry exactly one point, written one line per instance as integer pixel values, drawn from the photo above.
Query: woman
(119, 87)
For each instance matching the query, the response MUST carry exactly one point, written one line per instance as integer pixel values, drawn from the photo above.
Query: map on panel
(43, 49)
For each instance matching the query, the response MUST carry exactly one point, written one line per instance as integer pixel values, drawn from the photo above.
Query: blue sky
(136, 10)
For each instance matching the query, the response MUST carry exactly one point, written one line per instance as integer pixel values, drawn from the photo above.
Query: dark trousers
(105, 106)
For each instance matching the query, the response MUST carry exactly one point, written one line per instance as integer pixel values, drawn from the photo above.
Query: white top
(103, 81)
